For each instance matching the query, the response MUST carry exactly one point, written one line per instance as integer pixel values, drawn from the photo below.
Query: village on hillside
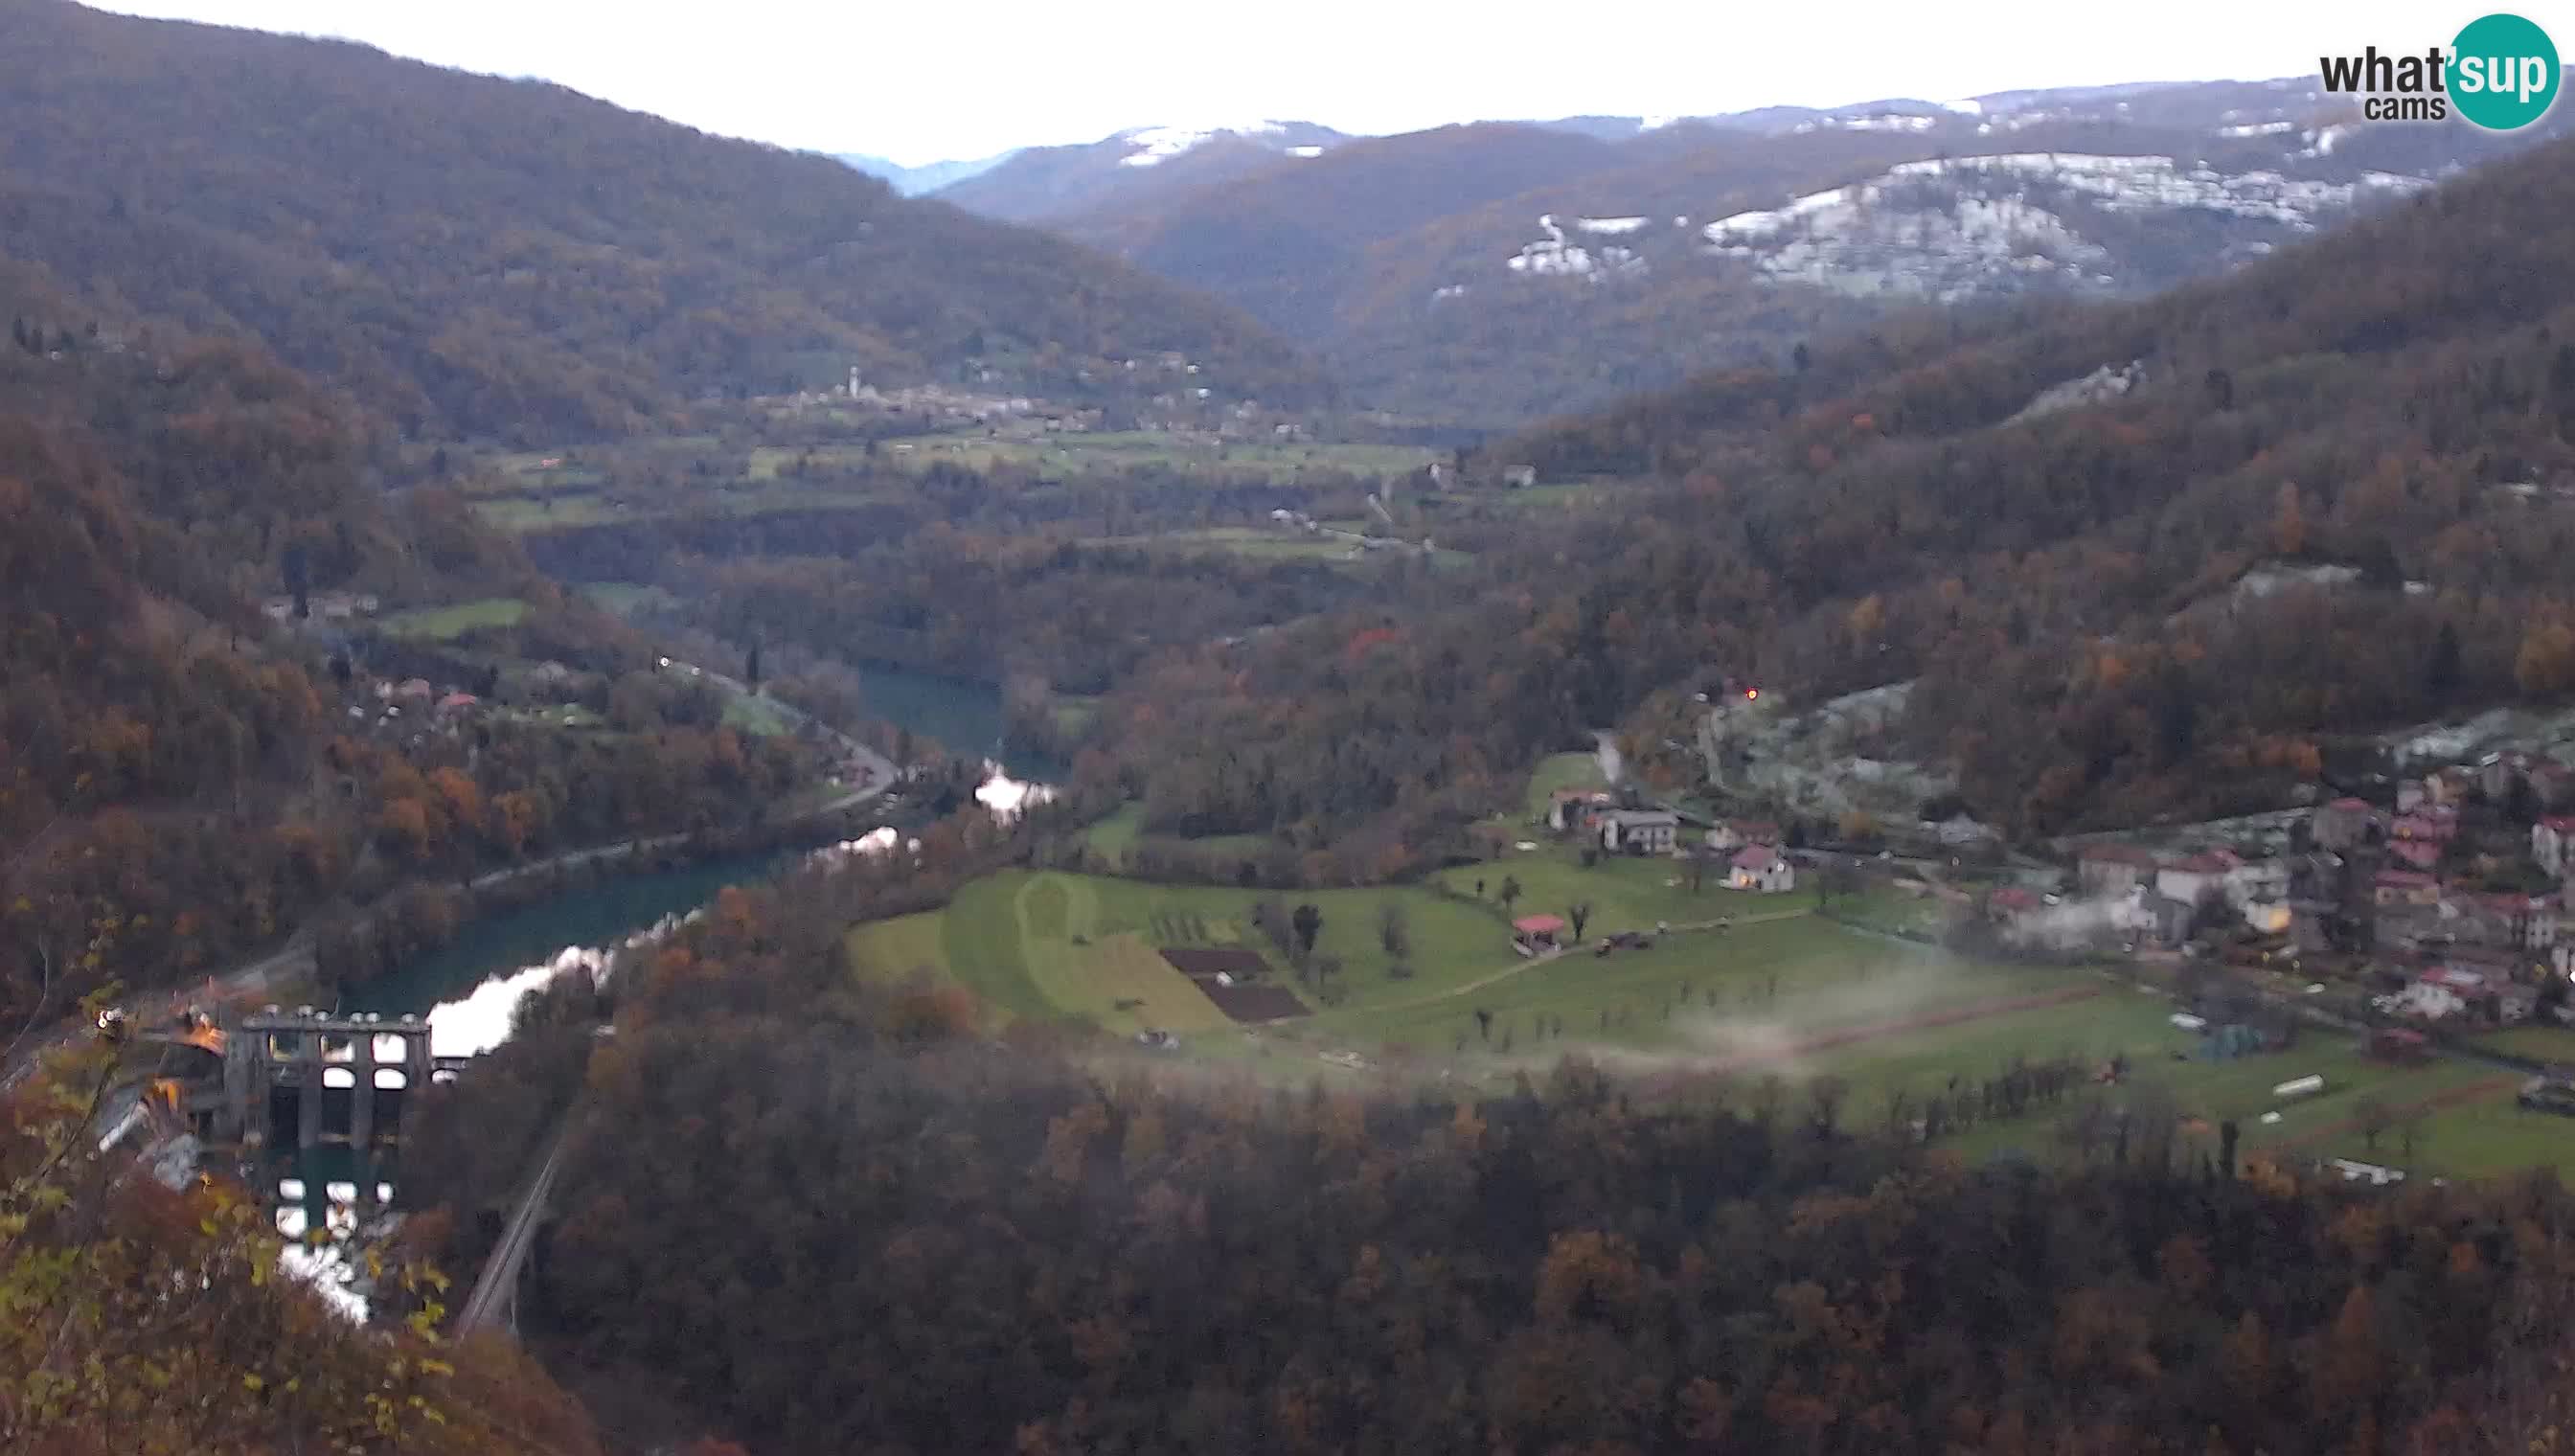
(2443, 915)
(2448, 904)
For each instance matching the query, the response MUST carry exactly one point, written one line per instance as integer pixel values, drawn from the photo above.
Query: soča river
(469, 989)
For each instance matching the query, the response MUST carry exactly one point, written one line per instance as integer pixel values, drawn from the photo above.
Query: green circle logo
(2503, 72)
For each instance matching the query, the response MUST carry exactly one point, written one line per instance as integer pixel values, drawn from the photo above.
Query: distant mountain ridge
(1133, 167)
(473, 256)
(2191, 98)
(1492, 272)
(923, 180)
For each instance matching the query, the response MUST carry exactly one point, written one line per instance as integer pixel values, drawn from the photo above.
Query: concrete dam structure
(304, 1079)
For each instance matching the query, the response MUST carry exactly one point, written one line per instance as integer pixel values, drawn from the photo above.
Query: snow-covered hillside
(1554, 256)
(1150, 146)
(1959, 227)
(1132, 166)
(1964, 227)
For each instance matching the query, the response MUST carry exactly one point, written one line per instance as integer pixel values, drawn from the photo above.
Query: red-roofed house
(2010, 902)
(1762, 868)
(2549, 840)
(2405, 888)
(1538, 930)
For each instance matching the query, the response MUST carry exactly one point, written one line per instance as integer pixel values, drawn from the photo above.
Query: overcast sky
(924, 82)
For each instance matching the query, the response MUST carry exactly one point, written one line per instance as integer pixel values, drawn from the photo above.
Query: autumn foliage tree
(146, 1322)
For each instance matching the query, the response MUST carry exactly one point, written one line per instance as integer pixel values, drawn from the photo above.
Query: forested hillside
(845, 1226)
(1130, 169)
(473, 256)
(1291, 242)
(2398, 399)
(184, 779)
(1496, 273)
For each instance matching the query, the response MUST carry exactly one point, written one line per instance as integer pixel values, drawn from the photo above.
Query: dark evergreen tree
(1309, 923)
(299, 579)
(2441, 674)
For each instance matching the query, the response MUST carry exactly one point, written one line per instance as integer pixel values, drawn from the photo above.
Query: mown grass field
(1784, 994)
(1073, 714)
(446, 624)
(1624, 894)
(525, 513)
(625, 598)
(2538, 1043)
(1887, 908)
(1706, 996)
(755, 714)
(1065, 947)
(1111, 452)
(1119, 833)
(1275, 543)
(2488, 1135)
(893, 951)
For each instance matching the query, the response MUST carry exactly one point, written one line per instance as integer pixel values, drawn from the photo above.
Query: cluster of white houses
(1750, 848)
(2164, 898)
(2414, 892)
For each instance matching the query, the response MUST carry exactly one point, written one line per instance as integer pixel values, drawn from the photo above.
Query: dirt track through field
(2476, 1091)
(1899, 1026)
(1864, 1032)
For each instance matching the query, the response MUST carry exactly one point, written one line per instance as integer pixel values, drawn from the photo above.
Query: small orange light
(1751, 692)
